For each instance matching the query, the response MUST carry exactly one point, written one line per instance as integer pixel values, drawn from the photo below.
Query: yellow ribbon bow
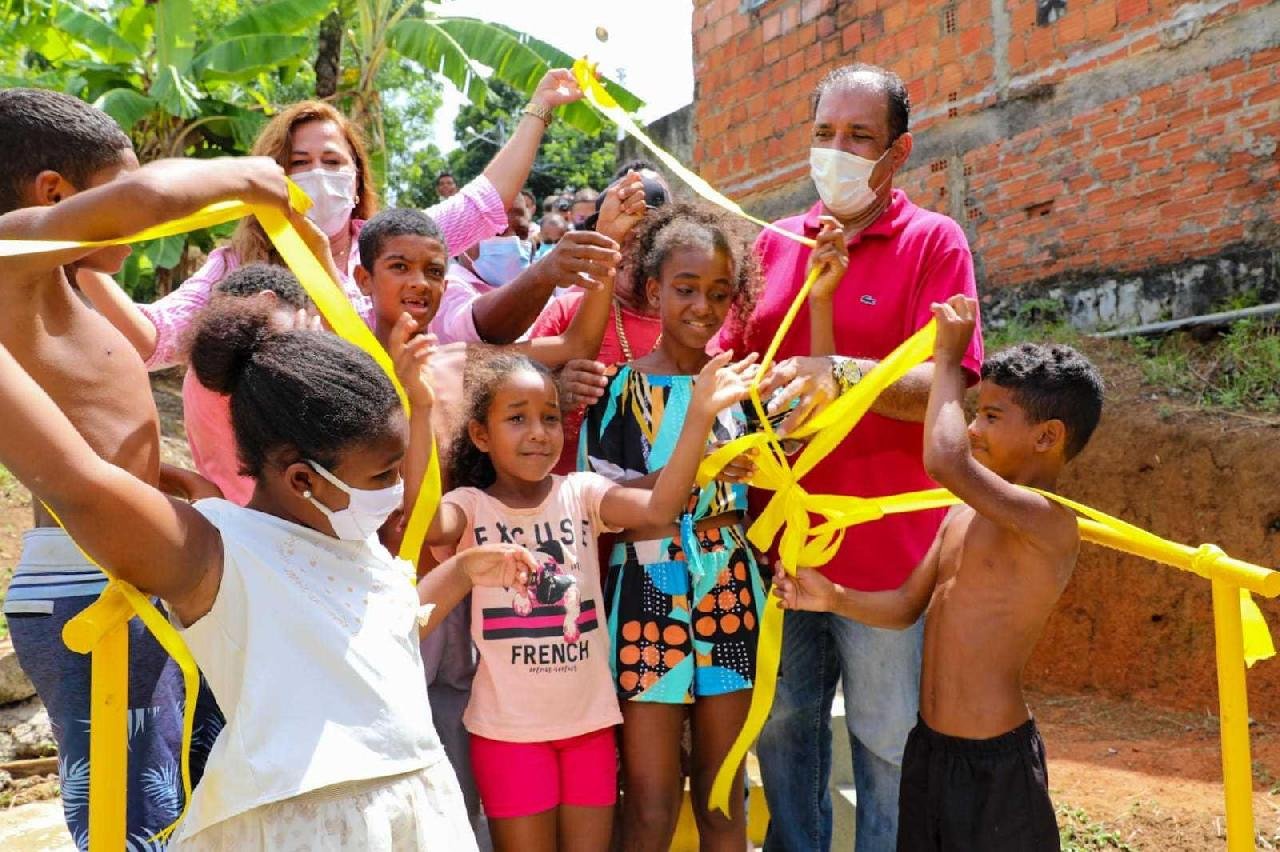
(786, 517)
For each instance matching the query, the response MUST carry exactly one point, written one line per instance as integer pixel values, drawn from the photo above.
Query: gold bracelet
(537, 110)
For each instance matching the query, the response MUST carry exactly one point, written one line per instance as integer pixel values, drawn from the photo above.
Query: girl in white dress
(304, 625)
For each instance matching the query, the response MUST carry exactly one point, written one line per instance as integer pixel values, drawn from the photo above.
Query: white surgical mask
(501, 259)
(333, 197)
(367, 511)
(843, 180)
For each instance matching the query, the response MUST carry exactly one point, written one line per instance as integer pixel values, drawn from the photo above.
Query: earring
(307, 494)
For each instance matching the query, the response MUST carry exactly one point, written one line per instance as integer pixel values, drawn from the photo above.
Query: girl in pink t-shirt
(543, 709)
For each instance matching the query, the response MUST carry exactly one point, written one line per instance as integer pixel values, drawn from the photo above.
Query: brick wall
(1125, 137)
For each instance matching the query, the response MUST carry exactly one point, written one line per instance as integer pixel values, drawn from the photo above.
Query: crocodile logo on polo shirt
(868, 299)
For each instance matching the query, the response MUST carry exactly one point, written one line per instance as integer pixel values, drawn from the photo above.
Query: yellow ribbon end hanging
(1258, 644)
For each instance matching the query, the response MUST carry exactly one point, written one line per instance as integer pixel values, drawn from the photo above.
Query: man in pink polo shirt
(893, 260)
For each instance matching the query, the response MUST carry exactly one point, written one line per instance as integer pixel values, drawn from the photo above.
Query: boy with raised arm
(974, 774)
(67, 172)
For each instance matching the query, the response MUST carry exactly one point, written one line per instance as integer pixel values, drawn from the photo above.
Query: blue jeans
(881, 675)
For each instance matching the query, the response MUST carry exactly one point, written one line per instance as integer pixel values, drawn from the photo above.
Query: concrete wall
(674, 133)
(1128, 147)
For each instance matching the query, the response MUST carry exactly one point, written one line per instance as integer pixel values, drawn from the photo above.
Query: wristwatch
(845, 371)
(538, 110)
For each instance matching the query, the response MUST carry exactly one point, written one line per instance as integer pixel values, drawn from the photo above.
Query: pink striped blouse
(474, 214)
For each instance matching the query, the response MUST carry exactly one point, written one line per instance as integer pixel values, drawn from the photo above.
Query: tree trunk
(329, 55)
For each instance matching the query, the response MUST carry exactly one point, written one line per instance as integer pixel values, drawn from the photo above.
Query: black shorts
(962, 795)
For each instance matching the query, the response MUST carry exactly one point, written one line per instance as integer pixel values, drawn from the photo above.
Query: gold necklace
(623, 343)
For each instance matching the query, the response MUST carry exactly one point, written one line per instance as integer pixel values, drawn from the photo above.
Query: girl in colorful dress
(543, 707)
(683, 598)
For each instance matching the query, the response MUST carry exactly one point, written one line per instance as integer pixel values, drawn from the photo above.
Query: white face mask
(501, 259)
(843, 180)
(367, 511)
(333, 197)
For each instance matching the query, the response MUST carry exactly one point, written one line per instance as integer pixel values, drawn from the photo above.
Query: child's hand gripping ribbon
(102, 628)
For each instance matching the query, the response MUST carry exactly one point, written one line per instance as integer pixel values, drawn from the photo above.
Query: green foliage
(1079, 833)
(1236, 372)
(198, 79)
(1040, 320)
(182, 79)
(569, 157)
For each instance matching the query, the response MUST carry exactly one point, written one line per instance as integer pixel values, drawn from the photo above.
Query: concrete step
(37, 827)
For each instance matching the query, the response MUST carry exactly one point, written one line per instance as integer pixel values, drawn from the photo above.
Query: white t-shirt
(311, 649)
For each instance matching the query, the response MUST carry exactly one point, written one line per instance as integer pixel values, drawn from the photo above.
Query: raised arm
(156, 193)
(622, 210)
(161, 545)
(510, 167)
(502, 315)
(948, 457)
(719, 385)
(831, 257)
(894, 609)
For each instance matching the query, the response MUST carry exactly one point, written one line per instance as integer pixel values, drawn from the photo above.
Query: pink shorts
(522, 779)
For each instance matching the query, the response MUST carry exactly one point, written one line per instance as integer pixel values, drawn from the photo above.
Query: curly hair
(1051, 382)
(687, 225)
(294, 394)
(467, 464)
(254, 278)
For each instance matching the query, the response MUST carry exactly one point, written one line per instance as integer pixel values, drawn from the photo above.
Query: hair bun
(225, 340)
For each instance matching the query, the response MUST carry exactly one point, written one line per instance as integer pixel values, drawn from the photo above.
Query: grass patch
(1079, 833)
(1038, 320)
(1235, 372)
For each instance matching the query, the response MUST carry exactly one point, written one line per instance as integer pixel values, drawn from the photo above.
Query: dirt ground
(1123, 680)
(1129, 628)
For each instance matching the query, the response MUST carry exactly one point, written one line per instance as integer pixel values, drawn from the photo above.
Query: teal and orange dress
(681, 627)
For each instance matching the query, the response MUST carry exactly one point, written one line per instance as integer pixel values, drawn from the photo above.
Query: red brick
(1267, 95)
(771, 27)
(1099, 18)
(1226, 69)
(811, 9)
(722, 30)
(1070, 27)
(790, 17)
(1130, 10)
(851, 36)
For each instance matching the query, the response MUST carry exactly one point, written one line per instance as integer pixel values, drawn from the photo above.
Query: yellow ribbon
(598, 96)
(101, 629)
(789, 510)
(801, 545)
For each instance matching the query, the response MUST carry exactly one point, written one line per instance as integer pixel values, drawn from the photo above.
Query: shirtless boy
(974, 775)
(67, 172)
